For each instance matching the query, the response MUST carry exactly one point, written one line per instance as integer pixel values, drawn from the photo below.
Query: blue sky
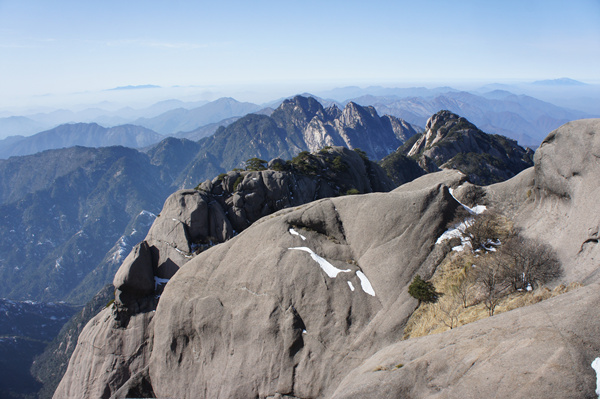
(74, 46)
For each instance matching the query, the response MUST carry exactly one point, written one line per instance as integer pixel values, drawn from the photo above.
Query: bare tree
(485, 230)
(494, 280)
(465, 286)
(529, 263)
(448, 310)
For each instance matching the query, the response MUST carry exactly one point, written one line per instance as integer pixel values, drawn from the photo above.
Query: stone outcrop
(452, 142)
(312, 301)
(194, 220)
(255, 286)
(540, 351)
(556, 201)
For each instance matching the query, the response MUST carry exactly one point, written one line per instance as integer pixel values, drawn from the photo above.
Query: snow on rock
(476, 210)
(295, 233)
(596, 367)
(145, 213)
(365, 283)
(327, 267)
(350, 285)
(456, 231)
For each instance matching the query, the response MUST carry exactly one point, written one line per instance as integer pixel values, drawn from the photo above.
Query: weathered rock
(540, 351)
(106, 356)
(452, 142)
(135, 274)
(556, 201)
(192, 220)
(269, 313)
(138, 386)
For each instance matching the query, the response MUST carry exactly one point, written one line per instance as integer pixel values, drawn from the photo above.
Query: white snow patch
(529, 288)
(596, 367)
(145, 213)
(476, 210)
(365, 283)
(327, 267)
(456, 231)
(304, 332)
(159, 281)
(295, 233)
(350, 285)
(185, 254)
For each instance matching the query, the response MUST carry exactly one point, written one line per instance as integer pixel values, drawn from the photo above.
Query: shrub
(495, 282)
(423, 290)
(256, 164)
(339, 165)
(237, 182)
(279, 165)
(362, 154)
(305, 163)
(485, 229)
(352, 191)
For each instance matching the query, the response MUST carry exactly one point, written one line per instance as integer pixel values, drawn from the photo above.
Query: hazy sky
(72, 46)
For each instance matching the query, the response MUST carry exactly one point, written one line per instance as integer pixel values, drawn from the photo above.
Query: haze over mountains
(494, 108)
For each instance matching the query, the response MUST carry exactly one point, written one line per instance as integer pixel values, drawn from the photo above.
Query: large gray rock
(253, 317)
(269, 318)
(557, 200)
(540, 351)
(107, 356)
(135, 274)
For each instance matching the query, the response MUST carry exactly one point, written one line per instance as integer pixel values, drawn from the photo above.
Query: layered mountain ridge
(80, 134)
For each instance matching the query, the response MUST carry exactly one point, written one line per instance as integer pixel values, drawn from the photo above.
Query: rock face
(194, 220)
(556, 201)
(541, 351)
(285, 292)
(452, 142)
(312, 301)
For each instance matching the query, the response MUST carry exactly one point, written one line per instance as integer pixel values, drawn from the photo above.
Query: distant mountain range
(181, 119)
(162, 116)
(506, 109)
(518, 117)
(79, 134)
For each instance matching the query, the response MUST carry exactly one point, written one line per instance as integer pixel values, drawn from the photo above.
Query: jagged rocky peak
(333, 112)
(355, 115)
(452, 142)
(437, 128)
(298, 111)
